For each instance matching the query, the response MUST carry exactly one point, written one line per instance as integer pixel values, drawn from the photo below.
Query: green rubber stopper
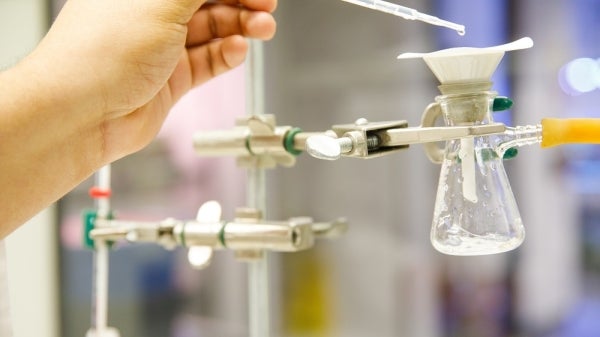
(288, 141)
(502, 103)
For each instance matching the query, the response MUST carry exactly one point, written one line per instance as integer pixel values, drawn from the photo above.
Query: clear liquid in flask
(475, 211)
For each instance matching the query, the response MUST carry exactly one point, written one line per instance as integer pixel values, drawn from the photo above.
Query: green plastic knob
(502, 103)
(510, 153)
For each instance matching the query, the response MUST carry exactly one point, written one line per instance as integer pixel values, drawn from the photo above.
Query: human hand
(100, 84)
(124, 64)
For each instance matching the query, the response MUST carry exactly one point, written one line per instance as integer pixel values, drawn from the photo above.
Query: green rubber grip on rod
(89, 223)
(288, 141)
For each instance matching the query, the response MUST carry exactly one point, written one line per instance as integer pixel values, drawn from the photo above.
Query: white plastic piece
(209, 212)
(199, 257)
(470, 64)
(467, 156)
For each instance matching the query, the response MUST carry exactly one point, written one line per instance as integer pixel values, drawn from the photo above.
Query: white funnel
(466, 64)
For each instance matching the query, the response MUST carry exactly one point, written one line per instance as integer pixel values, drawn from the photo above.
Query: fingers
(219, 21)
(216, 57)
(257, 5)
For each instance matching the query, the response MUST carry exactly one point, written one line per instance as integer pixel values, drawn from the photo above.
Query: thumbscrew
(328, 148)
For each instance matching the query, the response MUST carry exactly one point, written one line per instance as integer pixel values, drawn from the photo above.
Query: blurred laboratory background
(332, 63)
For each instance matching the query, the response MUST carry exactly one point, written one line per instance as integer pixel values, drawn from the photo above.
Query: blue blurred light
(580, 76)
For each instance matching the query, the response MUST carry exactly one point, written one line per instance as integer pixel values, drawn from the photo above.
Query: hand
(127, 62)
(100, 84)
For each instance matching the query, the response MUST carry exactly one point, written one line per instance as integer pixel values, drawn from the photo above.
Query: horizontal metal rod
(418, 135)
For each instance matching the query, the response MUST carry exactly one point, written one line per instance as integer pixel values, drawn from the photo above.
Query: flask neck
(466, 103)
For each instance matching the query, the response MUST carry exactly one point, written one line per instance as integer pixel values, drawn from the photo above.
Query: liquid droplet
(461, 32)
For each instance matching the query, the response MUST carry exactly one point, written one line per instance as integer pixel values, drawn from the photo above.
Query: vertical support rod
(103, 177)
(258, 270)
(101, 287)
(101, 255)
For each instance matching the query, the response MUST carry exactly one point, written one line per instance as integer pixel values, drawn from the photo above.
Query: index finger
(259, 5)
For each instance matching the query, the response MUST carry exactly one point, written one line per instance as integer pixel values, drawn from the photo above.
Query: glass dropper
(407, 13)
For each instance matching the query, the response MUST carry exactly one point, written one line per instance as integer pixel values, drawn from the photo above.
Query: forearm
(46, 148)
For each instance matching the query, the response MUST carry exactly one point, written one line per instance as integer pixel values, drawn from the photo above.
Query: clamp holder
(248, 234)
(256, 141)
(370, 140)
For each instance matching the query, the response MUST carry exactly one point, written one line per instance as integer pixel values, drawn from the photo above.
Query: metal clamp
(369, 140)
(247, 234)
(361, 139)
(429, 134)
(256, 141)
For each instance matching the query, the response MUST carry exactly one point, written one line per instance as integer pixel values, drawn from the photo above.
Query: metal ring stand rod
(258, 270)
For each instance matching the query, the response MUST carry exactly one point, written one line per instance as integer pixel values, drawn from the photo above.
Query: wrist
(48, 118)
(46, 148)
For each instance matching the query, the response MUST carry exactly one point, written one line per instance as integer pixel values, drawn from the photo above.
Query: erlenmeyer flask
(475, 210)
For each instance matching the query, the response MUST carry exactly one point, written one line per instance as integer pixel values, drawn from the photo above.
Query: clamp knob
(200, 256)
(328, 148)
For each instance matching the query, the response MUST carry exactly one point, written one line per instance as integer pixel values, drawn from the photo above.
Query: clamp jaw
(370, 140)
(366, 140)
(248, 234)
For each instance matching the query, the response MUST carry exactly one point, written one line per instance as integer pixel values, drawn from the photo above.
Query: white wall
(22, 24)
(33, 278)
(31, 252)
